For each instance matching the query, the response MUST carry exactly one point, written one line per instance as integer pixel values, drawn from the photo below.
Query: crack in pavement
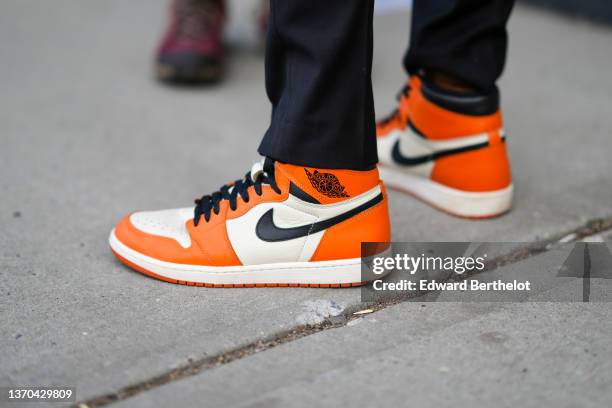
(193, 367)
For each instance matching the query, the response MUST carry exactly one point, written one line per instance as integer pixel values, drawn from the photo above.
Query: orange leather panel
(212, 239)
(344, 240)
(439, 124)
(354, 182)
(485, 169)
(162, 248)
(382, 129)
(398, 121)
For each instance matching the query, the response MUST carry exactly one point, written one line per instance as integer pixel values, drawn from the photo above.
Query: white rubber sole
(455, 202)
(344, 272)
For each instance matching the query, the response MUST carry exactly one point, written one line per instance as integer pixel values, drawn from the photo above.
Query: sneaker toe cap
(161, 235)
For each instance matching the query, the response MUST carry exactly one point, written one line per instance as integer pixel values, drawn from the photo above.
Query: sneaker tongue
(265, 165)
(256, 170)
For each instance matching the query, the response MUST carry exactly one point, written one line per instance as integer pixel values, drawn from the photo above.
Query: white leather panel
(252, 250)
(165, 223)
(413, 145)
(385, 146)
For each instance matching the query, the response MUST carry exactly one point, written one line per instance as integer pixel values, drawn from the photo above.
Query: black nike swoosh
(400, 159)
(267, 231)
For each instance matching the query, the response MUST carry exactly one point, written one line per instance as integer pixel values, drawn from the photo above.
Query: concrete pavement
(87, 136)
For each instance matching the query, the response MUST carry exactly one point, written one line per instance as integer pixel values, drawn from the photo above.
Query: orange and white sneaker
(282, 225)
(447, 149)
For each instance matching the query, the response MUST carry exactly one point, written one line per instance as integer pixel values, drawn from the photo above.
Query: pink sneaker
(191, 50)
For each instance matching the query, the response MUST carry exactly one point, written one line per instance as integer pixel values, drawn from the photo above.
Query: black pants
(319, 63)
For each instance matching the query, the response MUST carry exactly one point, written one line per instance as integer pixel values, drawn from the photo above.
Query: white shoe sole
(455, 202)
(344, 272)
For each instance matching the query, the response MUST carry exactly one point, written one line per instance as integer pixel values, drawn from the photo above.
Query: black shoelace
(211, 202)
(403, 93)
